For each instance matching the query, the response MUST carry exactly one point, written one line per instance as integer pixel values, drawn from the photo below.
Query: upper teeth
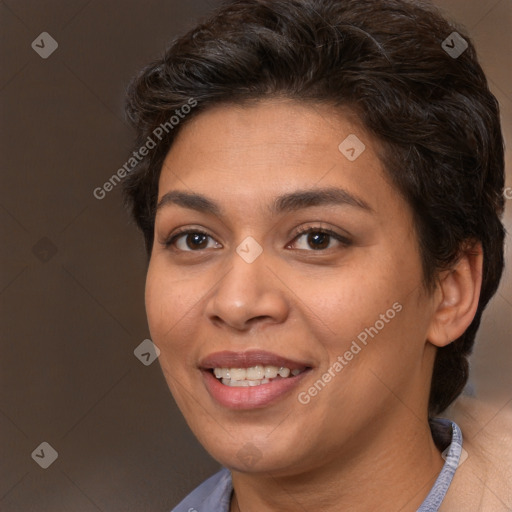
(258, 372)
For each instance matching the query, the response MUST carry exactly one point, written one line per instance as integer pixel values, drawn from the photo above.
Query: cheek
(349, 298)
(171, 306)
(169, 303)
(377, 300)
(158, 305)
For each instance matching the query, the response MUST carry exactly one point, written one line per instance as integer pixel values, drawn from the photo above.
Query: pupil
(318, 240)
(196, 240)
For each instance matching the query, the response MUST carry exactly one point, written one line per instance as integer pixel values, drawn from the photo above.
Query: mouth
(251, 379)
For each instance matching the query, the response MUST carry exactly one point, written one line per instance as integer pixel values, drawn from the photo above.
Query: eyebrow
(293, 201)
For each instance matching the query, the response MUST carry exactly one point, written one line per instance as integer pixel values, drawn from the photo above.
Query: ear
(456, 297)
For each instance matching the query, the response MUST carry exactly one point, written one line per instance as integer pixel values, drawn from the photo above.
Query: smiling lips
(251, 379)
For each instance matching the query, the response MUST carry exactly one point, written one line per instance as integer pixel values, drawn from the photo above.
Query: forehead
(275, 130)
(249, 153)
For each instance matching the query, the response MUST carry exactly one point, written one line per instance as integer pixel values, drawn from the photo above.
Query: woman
(320, 193)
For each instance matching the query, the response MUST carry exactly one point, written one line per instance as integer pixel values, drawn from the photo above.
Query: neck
(381, 470)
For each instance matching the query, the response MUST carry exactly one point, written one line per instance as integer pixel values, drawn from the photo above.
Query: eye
(192, 240)
(318, 239)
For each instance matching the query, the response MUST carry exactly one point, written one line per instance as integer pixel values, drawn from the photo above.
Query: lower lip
(250, 397)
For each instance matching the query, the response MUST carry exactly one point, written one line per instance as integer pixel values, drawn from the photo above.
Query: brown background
(72, 266)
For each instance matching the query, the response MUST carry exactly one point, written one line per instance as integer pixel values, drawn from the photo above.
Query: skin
(362, 443)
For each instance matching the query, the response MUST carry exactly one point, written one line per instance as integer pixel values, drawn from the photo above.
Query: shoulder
(212, 494)
(483, 480)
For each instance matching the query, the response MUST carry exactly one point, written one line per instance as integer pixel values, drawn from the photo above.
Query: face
(284, 287)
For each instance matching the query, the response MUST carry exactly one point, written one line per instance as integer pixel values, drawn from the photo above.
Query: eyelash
(345, 242)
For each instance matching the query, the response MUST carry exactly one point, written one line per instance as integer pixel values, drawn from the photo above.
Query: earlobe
(456, 297)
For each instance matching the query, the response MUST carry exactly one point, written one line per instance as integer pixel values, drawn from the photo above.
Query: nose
(249, 294)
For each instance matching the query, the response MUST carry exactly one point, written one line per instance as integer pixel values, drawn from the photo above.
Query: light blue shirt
(214, 494)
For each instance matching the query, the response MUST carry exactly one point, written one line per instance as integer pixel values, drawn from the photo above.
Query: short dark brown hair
(385, 60)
